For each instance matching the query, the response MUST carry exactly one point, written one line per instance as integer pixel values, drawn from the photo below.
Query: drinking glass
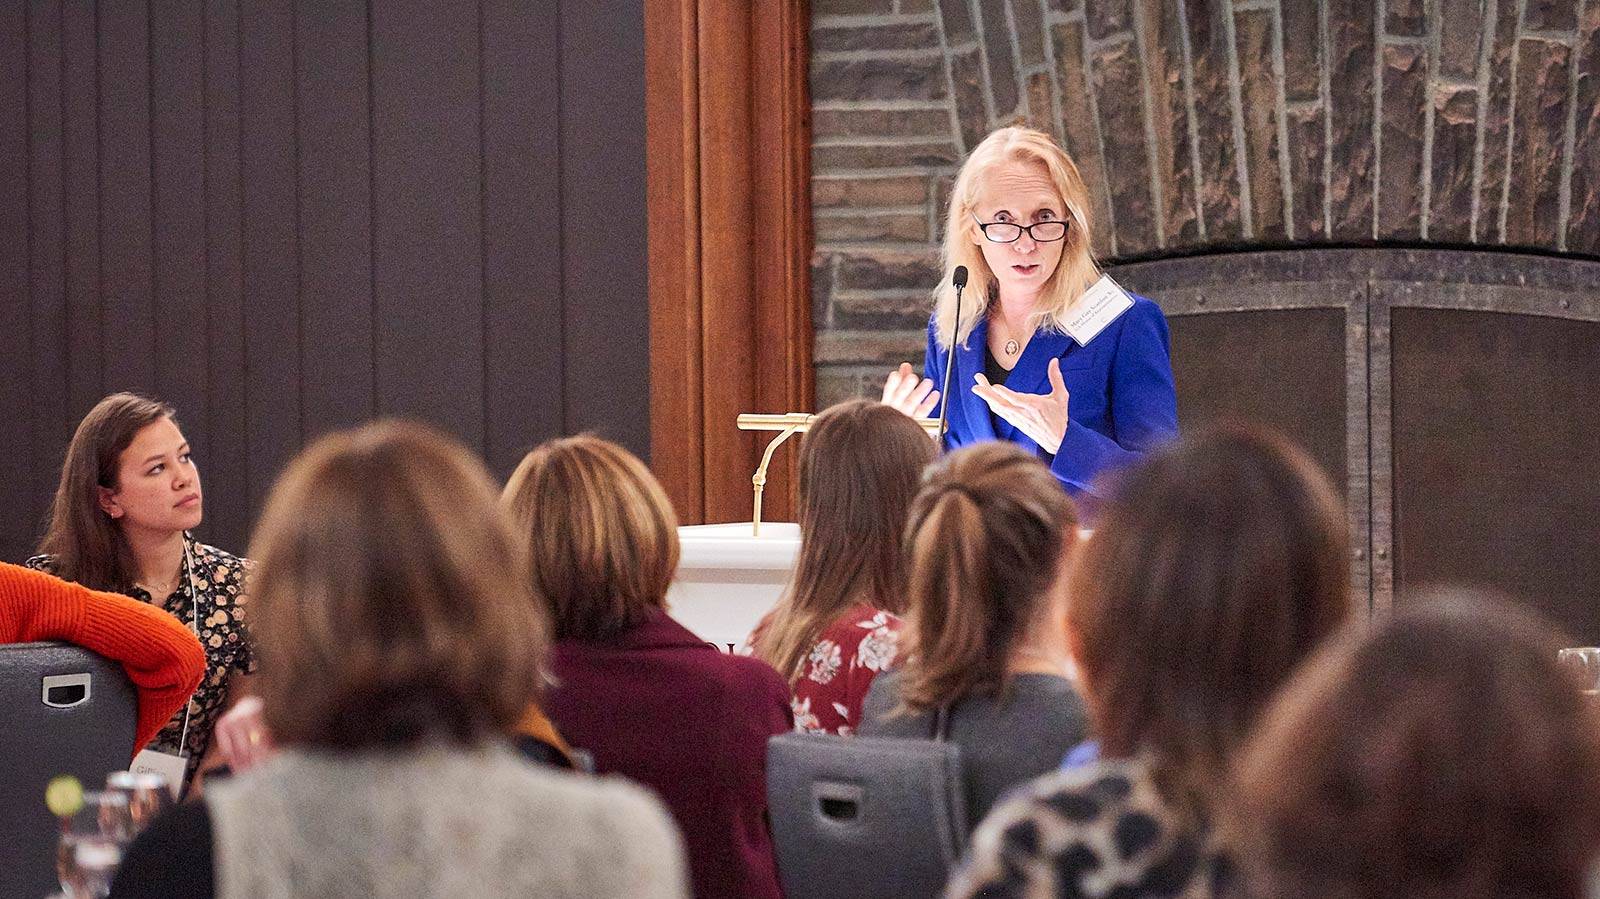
(91, 844)
(148, 795)
(1584, 661)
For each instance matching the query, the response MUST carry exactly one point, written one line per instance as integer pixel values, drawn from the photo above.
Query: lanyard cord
(194, 625)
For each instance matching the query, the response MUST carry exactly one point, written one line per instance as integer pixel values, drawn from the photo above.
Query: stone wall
(1198, 124)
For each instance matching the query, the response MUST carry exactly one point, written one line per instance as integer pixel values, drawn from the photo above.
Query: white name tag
(163, 763)
(1099, 306)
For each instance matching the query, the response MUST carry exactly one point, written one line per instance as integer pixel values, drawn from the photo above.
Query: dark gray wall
(285, 217)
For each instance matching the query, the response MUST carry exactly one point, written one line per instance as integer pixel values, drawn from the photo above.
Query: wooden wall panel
(426, 250)
(80, 129)
(729, 226)
(225, 455)
(334, 183)
(46, 242)
(604, 285)
(522, 230)
(177, 147)
(15, 437)
(126, 254)
(672, 115)
(287, 216)
(270, 242)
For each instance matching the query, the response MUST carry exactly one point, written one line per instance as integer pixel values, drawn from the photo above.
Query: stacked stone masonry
(1198, 124)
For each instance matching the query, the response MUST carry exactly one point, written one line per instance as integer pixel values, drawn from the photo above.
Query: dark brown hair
(84, 543)
(390, 599)
(1444, 755)
(601, 535)
(860, 467)
(985, 544)
(1214, 570)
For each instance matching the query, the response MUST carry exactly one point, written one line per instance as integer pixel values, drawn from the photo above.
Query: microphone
(959, 280)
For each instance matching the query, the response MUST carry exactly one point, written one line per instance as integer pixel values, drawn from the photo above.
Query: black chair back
(63, 710)
(858, 816)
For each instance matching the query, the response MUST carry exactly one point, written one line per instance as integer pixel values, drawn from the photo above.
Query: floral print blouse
(832, 679)
(210, 598)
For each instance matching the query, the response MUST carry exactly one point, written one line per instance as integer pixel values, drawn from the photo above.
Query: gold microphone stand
(788, 425)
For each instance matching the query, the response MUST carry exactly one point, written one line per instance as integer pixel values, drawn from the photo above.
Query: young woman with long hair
(1215, 569)
(986, 655)
(837, 625)
(128, 498)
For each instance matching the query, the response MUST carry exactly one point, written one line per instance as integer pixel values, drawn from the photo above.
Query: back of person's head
(602, 537)
(85, 544)
(860, 467)
(1215, 568)
(985, 544)
(1444, 755)
(390, 603)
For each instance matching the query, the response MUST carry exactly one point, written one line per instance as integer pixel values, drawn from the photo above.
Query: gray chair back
(63, 710)
(859, 816)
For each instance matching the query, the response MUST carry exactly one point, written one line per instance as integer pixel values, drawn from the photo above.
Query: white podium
(727, 578)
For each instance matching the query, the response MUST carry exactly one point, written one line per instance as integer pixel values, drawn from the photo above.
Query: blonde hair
(600, 533)
(1074, 273)
(984, 543)
(390, 600)
(860, 467)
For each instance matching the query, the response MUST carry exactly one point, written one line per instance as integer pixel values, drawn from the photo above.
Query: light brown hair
(1214, 570)
(860, 467)
(1444, 755)
(600, 532)
(85, 544)
(985, 544)
(390, 601)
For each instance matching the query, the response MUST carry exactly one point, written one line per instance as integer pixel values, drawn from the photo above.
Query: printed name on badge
(170, 766)
(1099, 306)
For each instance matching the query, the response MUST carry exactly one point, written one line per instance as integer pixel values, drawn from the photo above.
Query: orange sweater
(161, 656)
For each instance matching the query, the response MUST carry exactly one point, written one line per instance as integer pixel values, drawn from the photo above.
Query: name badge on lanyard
(172, 767)
(168, 765)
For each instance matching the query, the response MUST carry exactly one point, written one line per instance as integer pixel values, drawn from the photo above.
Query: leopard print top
(1099, 832)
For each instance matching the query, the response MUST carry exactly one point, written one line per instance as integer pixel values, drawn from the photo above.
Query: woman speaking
(1048, 354)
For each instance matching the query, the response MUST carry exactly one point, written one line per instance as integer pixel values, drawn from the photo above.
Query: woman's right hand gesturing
(904, 392)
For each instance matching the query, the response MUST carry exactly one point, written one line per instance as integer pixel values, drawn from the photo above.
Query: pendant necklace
(1011, 348)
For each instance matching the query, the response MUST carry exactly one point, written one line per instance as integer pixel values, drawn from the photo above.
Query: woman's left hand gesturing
(1042, 416)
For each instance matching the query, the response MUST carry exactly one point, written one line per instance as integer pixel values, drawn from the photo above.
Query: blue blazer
(1123, 403)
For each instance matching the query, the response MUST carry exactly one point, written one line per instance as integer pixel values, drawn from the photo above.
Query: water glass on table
(148, 795)
(92, 840)
(1584, 662)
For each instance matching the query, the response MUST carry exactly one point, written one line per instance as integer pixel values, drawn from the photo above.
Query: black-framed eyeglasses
(1009, 232)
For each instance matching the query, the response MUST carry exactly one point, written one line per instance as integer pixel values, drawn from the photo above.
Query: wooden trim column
(729, 166)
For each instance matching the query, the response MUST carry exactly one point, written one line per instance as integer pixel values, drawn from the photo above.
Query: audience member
(399, 646)
(1444, 755)
(128, 497)
(1216, 568)
(161, 657)
(837, 626)
(640, 692)
(987, 665)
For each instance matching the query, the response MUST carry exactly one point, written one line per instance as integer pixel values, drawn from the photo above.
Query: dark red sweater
(161, 656)
(659, 706)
